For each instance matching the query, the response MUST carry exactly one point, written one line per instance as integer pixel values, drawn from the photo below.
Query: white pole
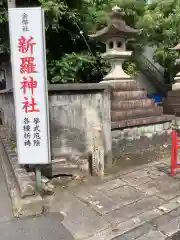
(11, 3)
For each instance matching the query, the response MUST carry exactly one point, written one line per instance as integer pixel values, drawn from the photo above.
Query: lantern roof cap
(116, 27)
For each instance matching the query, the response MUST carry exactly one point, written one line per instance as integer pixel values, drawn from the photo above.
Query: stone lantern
(129, 104)
(115, 36)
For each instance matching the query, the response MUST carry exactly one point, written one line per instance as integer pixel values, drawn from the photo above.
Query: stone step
(144, 217)
(172, 109)
(66, 167)
(173, 93)
(131, 204)
(128, 95)
(124, 86)
(172, 100)
(136, 113)
(171, 104)
(141, 121)
(24, 182)
(162, 227)
(142, 103)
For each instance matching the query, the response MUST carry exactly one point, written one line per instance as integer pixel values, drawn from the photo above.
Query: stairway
(171, 105)
(152, 73)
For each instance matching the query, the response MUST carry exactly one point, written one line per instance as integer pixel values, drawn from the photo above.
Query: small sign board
(28, 59)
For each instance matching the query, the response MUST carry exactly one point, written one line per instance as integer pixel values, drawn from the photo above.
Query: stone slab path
(44, 227)
(141, 204)
(6, 213)
(38, 228)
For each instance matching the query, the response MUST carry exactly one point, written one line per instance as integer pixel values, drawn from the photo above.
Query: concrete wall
(75, 110)
(141, 138)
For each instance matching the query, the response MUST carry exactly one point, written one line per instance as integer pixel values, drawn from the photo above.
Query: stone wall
(140, 138)
(7, 113)
(171, 105)
(76, 111)
(81, 112)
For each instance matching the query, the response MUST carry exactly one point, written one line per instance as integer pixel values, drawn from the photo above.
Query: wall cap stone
(77, 87)
(71, 87)
(6, 91)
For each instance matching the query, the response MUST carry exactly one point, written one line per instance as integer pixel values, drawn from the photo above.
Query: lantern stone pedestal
(172, 103)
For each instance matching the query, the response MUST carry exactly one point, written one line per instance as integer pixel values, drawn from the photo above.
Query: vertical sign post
(30, 86)
(11, 4)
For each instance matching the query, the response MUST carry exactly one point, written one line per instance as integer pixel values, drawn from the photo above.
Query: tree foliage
(71, 56)
(161, 23)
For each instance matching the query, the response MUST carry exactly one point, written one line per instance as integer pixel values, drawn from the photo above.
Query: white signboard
(30, 84)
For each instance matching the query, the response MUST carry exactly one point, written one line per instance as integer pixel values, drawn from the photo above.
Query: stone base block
(22, 207)
(128, 95)
(25, 184)
(141, 121)
(176, 86)
(172, 103)
(30, 206)
(132, 104)
(67, 168)
(117, 85)
(120, 115)
(130, 140)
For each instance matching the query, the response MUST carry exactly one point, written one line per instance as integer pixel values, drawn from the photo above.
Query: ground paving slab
(42, 227)
(141, 204)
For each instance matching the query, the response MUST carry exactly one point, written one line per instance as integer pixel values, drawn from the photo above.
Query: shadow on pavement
(45, 227)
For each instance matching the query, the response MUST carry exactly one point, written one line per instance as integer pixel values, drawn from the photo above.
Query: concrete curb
(22, 207)
(25, 184)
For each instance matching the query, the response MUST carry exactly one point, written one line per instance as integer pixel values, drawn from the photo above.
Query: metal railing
(152, 72)
(148, 65)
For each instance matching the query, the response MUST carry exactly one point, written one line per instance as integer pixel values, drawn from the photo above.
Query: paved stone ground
(44, 227)
(39, 228)
(5, 202)
(176, 236)
(141, 204)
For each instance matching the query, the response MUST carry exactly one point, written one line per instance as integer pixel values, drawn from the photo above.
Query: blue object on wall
(157, 98)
